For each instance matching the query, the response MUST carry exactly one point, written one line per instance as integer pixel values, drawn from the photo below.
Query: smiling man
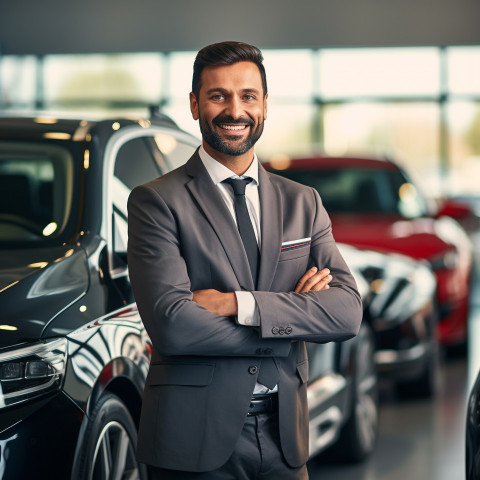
(226, 262)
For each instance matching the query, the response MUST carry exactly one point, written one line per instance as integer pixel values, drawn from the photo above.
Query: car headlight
(33, 371)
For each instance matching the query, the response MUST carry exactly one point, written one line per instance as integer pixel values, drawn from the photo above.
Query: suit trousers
(257, 456)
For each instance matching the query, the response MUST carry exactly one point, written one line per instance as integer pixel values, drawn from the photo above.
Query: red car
(374, 204)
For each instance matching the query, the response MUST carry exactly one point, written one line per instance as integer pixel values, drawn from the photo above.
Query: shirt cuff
(247, 310)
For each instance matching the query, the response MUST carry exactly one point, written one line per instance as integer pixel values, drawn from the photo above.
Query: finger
(314, 279)
(309, 273)
(322, 276)
(322, 284)
(310, 281)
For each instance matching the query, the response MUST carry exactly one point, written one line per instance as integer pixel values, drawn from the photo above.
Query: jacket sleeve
(328, 315)
(159, 277)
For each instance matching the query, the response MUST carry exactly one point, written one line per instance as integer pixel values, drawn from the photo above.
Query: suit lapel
(213, 206)
(272, 227)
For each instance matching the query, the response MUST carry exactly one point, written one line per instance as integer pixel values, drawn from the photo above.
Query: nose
(234, 107)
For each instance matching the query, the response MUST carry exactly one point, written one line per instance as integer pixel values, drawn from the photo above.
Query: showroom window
(289, 128)
(463, 64)
(418, 104)
(179, 74)
(18, 81)
(463, 119)
(101, 81)
(379, 72)
(289, 75)
(410, 131)
(464, 147)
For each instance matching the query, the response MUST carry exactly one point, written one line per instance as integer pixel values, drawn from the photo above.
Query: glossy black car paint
(472, 435)
(64, 288)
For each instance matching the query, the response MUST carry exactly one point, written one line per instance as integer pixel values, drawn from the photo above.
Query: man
(228, 284)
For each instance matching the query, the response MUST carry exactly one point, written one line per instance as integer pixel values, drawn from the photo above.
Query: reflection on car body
(472, 437)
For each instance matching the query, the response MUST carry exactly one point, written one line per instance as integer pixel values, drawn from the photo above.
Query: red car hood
(418, 238)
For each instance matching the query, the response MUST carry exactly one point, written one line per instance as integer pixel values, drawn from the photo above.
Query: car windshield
(357, 190)
(36, 182)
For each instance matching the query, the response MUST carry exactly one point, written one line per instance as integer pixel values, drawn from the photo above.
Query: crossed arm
(162, 287)
(225, 304)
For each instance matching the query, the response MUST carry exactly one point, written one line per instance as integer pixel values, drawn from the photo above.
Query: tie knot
(238, 184)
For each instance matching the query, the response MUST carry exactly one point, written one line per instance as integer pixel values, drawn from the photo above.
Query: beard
(235, 148)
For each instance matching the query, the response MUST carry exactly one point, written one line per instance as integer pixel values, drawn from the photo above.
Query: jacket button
(268, 351)
(259, 351)
(288, 330)
(252, 370)
(281, 330)
(275, 330)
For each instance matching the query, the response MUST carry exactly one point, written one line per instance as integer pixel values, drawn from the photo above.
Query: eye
(249, 97)
(218, 97)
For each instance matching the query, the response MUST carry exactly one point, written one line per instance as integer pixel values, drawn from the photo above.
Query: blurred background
(343, 77)
(422, 103)
(370, 78)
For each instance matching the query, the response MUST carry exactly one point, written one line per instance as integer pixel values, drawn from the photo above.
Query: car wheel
(108, 449)
(358, 435)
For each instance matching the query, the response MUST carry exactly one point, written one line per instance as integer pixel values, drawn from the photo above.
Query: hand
(224, 304)
(314, 280)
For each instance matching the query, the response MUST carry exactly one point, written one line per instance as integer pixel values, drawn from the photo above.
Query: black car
(472, 437)
(73, 351)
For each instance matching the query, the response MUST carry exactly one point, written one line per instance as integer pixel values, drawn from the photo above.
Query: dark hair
(226, 53)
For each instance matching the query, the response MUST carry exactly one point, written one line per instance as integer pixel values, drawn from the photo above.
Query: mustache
(232, 121)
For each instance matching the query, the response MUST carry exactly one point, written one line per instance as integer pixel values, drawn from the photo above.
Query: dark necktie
(268, 374)
(244, 223)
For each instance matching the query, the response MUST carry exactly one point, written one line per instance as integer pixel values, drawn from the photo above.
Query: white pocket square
(301, 242)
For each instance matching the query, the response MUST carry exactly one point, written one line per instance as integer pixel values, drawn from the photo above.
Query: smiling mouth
(224, 126)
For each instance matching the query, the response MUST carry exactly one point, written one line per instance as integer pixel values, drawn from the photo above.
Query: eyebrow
(224, 90)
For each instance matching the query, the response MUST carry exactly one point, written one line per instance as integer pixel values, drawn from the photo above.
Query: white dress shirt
(247, 307)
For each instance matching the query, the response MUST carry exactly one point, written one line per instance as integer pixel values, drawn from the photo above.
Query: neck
(238, 164)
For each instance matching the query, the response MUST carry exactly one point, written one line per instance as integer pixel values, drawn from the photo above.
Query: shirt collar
(219, 172)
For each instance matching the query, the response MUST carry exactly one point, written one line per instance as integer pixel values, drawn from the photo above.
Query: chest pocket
(292, 264)
(293, 253)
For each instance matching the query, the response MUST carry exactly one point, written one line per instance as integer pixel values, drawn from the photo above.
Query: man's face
(230, 107)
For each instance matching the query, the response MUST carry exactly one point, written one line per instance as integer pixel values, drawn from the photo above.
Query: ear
(265, 107)
(194, 106)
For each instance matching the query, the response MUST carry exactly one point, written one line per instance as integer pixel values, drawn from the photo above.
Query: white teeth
(232, 127)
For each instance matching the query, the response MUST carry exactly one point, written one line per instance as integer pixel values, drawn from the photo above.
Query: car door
(136, 157)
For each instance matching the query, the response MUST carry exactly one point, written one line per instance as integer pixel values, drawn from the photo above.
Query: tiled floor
(422, 440)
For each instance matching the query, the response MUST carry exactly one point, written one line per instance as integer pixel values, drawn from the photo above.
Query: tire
(108, 450)
(359, 434)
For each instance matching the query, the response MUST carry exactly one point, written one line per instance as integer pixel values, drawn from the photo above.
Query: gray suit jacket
(182, 238)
